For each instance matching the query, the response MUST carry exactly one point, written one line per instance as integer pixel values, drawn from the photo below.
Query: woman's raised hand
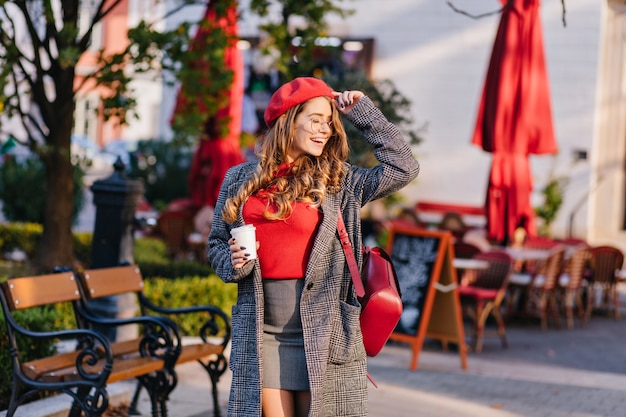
(346, 100)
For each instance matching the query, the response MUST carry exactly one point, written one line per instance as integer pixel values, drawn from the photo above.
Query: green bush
(29, 174)
(151, 256)
(191, 291)
(181, 283)
(150, 250)
(24, 236)
(82, 247)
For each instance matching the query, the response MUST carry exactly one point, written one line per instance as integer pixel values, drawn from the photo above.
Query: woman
(297, 348)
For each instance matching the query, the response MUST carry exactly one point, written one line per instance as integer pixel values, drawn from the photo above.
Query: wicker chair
(539, 244)
(463, 250)
(605, 261)
(543, 292)
(483, 295)
(536, 291)
(572, 283)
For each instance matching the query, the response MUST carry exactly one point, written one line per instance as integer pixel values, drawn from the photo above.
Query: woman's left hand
(346, 100)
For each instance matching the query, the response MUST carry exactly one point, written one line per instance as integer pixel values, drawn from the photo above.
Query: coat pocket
(346, 342)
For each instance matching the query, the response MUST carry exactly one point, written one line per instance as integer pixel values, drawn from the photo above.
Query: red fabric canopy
(514, 117)
(216, 153)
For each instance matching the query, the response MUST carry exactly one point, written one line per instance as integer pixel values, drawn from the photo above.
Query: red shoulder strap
(347, 249)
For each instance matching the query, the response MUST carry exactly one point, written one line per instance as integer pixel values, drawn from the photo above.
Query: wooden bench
(85, 372)
(213, 338)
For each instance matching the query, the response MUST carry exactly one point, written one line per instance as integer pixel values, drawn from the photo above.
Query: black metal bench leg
(78, 404)
(215, 369)
(154, 402)
(216, 405)
(158, 386)
(13, 402)
(92, 404)
(163, 406)
(132, 408)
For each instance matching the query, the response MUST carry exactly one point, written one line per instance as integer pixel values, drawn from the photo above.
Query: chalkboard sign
(414, 258)
(423, 263)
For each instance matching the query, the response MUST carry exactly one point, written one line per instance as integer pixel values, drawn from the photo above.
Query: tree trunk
(56, 247)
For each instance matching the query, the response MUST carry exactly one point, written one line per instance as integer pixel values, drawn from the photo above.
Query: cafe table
(468, 264)
(465, 264)
(527, 254)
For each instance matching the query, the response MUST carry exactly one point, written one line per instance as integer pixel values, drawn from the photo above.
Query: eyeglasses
(317, 124)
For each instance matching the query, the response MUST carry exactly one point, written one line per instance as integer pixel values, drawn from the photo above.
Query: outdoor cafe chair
(463, 250)
(605, 262)
(529, 254)
(484, 292)
(543, 291)
(534, 292)
(572, 282)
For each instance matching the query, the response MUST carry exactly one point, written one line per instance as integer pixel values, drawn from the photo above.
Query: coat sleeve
(397, 166)
(218, 252)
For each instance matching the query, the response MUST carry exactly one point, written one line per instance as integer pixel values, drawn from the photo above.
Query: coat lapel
(326, 234)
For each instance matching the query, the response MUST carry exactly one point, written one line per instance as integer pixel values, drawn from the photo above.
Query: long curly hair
(313, 177)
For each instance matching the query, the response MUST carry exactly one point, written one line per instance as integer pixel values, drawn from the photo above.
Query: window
(86, 116)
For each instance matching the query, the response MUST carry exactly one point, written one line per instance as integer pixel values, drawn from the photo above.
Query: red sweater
(285, 245)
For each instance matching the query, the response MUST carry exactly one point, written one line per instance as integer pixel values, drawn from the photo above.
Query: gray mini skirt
(284, 362)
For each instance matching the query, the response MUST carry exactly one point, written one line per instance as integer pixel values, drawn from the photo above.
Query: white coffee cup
(246, 237)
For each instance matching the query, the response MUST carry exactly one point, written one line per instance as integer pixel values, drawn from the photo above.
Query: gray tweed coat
(333, 343)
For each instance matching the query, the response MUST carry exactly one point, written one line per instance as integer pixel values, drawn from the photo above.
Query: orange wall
(114, 39)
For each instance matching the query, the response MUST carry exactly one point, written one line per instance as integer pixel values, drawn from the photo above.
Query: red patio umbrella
(217, 152)
(514, 117)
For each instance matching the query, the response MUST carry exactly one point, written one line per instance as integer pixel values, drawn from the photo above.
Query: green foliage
(191, 291)
(29, 174)
(26, 236)
(150, 250)
(14, 269)
(292, 60)
(151, 256)
(163, 168)
(553, 199)
(36, 319)
(174, 269)
(82, 247)
(197, 63)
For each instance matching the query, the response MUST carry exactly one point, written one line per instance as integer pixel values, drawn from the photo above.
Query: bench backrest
(116, 280)
(26, 292)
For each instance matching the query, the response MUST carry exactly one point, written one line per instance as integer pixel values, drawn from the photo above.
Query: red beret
(293, 93)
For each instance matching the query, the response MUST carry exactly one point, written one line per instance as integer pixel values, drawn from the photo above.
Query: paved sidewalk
(578, 372)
